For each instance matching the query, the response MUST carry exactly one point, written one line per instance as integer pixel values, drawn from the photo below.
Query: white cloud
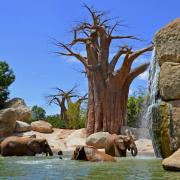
(144, 76)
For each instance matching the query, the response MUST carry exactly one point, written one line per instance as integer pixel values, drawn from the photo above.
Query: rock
(172, 163)
(166, 129)
(167, 43)
(76, 138)
(97, 140)
(8, 119)
(22, 126)
(15, 103)
(170, 81)
(23, 112)
(41, 126)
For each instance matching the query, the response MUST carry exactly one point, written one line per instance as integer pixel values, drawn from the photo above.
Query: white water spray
(151, 116)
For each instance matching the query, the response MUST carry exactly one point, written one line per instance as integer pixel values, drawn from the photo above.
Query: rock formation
(14, 110)
(42, 126)
(97, 140)
(172, 163)
(23, 112)
(8, 119)
(166, 115)
(22, 127)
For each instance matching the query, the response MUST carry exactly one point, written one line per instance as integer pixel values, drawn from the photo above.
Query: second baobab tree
(108, 85)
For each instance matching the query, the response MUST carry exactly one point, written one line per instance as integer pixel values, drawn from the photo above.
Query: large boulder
(42, 126)
(8, 119)
(22, 126)
(167, 43)
(23, 112)
(170, 81)
(172, 163)
(76, 138)
(97, 140)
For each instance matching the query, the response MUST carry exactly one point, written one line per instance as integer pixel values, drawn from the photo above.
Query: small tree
(60, 99)
(134, 107)
(7, 77)
(70, 111)
(37, 113)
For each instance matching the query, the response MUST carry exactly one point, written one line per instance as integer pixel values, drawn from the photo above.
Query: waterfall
(151, 115)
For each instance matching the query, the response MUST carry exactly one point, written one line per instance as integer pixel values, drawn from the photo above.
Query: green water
(37, 168)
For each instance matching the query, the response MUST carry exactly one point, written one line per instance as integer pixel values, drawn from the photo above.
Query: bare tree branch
(134, 55)
(121, 51)
(124, 37)
(71, 53)
(137, 71)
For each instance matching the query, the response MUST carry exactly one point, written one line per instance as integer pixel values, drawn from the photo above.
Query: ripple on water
(30, 168)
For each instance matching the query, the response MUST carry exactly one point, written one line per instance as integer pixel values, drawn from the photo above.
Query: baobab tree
(63, 99)
(108, 86)
(60, 99)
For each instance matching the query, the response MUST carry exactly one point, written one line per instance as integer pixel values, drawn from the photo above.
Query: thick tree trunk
(106, 105)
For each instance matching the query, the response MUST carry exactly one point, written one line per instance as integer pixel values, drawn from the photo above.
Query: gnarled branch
(134, 55)
(136, 72)
(71, 53)
(121, 51)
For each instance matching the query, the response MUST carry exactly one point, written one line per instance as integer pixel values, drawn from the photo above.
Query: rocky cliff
(166, 115)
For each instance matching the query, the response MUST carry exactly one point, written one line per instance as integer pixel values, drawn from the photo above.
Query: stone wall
(166, 124)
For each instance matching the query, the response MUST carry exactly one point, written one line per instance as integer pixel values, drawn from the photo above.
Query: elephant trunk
(134, 151)
(48, 151)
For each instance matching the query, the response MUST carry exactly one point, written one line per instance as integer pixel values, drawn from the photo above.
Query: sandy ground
(67, 139)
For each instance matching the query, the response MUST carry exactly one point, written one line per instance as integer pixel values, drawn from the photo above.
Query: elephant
(117, 145)
(24, 146)
(91, 154)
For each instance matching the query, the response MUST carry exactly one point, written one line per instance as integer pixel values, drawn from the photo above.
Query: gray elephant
(117, 145)
(24, 146)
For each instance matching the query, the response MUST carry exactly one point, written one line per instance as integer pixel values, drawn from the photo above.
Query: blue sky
(27, 26)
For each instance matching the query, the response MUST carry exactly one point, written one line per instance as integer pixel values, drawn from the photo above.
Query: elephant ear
(34, 146)
(119, 143)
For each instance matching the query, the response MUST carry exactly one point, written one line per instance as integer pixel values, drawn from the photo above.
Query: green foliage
(37, 113)
(133, 110)
(55, 121)
(7, 77)
(76, 116)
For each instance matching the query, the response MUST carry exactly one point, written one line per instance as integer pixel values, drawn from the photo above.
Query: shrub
(76, 116)
(55, 121)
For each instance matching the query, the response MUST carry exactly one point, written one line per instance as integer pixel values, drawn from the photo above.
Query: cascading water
(153, 101)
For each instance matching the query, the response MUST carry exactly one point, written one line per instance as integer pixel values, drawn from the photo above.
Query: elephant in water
(117, 145)
(24, 146)
(90, 154)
